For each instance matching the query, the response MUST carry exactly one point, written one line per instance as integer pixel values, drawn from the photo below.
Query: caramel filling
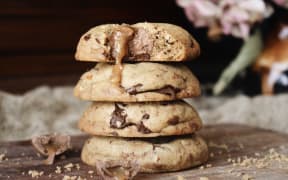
(119, 46)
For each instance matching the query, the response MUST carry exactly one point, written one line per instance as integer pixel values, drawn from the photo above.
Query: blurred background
(38, 40)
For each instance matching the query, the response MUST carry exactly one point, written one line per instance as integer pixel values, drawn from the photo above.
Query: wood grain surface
(226, 142)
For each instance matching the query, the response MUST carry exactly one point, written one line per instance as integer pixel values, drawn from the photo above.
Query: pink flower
(283, 3)
(229, 17)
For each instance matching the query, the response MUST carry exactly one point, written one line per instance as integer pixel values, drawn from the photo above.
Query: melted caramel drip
(121, 36)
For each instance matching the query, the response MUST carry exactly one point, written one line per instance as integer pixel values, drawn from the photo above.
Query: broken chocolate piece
(112, 170)
(87, 37)
(133, 90)
(140, 47)
(168, 90)
(143, 129)
(173, 121)
(118, 119)
(145, 116)
(51, 145)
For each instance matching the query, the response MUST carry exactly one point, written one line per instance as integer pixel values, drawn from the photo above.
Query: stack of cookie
(137, 114)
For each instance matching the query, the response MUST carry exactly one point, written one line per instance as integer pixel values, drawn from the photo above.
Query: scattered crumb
(211, 154)
(22, 154)
(38, 155)
(77, 166)
(68, 166)
(69, 177)
(58, 170)
(222, 146)
(35, 174)
(204, 178)
(271, 158)
(23, 173)
(208, 165)
(50, 175)
(90, 172)
(201, 167)
(2, 157)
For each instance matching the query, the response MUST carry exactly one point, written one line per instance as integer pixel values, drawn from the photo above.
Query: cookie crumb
(90, 172)
(69, 177)
(77, 166)
(58, 170)
(68, 166)
(2, 157)
(211, 154)
(35, 174)
(208, 165)
(221, 146)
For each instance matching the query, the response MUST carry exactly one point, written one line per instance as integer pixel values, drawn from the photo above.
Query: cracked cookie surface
(147, 119)
(152, 155)
(150, 42)
(140, 82)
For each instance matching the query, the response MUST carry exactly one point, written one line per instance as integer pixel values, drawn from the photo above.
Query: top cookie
(139, 42)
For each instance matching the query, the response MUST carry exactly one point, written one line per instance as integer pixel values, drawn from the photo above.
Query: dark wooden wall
(38, 38)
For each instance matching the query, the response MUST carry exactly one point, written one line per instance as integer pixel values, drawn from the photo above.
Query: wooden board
(225, 141)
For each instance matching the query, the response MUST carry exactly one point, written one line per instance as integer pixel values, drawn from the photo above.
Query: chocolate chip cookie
(151, 154)
(138, 42)
(140, 82)
(147, 119)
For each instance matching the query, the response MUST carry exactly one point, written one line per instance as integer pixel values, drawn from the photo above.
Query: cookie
(139, 42)
(144, 81)
(160, 154)
(140, 119)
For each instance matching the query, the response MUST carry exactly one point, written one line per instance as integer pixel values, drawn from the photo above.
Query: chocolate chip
(97, 40)
(168, 90)
(193, 126)
(133, 90)
(87, 37)
(118, 119)
(140, 57)
(143, 129)
(106, 42)
(173, 121)
(145, 116)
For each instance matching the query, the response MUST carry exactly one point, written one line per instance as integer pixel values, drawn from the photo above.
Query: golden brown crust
(140, 119)
(168, 154)
(140, 82)
(162, 42)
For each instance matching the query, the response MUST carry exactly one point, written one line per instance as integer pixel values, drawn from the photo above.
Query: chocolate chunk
(168, 90)
(141, 45)
(193, 125)
(134, 89)
(97, 40)
(173, 121)
(87, 37)
(118, 119)
(143, 56)
(145, 116)
(143, 129)
(111, 170)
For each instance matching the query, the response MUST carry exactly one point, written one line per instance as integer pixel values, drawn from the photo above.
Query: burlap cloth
(44, 110)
